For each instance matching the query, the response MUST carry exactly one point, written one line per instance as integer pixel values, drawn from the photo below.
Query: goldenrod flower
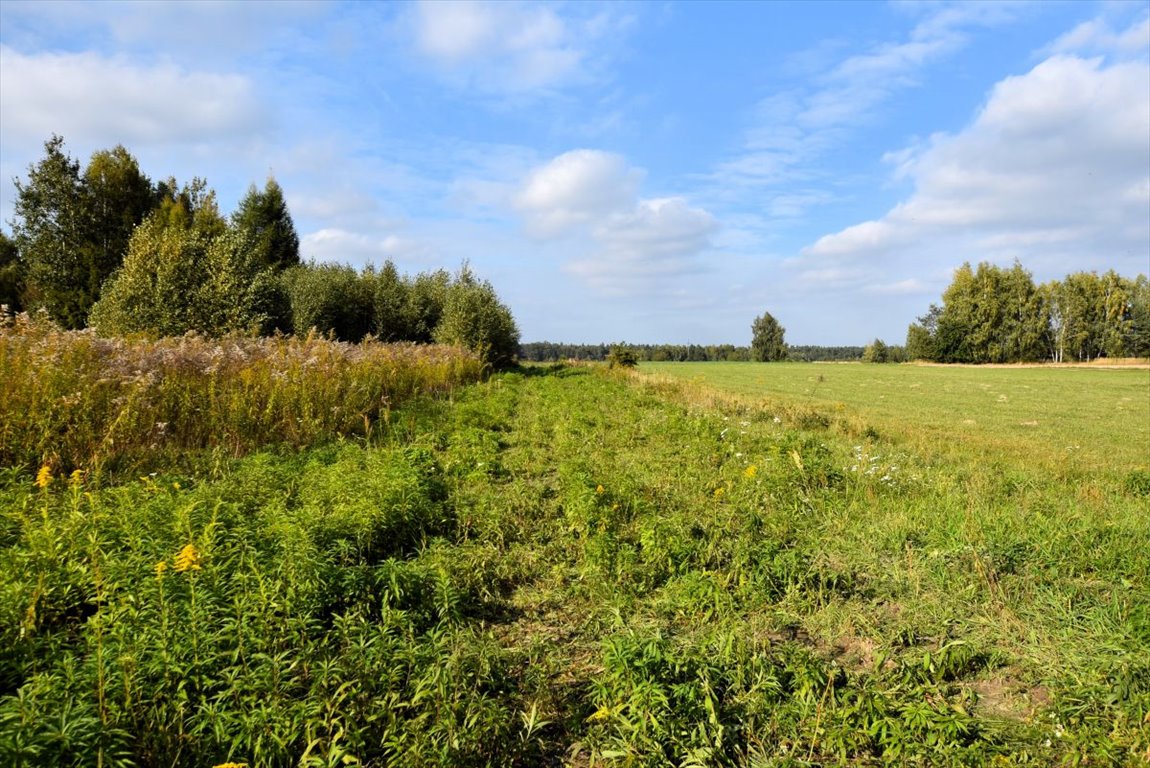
(187, 560)
(719, 492)
(604, 712)
(599, 489)
(44, 477)
(161, 567)
(750, 471)
(230, 765)
(76, 478)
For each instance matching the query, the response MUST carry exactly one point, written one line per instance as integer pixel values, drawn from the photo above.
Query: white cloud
(591, 197)
(505, 47)
(575, 189)
(1097, 36)
(1054, 171)
(357, 248)
(111, 100)
(795, 126)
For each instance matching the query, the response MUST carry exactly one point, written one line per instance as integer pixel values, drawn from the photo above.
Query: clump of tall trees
(992, 314)
(104, 247)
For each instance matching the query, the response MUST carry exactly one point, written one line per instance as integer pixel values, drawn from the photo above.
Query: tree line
(547, 352)
(106, 248)
(993, 314)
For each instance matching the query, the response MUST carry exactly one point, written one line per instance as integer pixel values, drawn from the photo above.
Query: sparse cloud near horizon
(1054, 171)
(655, 172)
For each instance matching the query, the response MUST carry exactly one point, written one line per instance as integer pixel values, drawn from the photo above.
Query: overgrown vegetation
(522, 576)
(108, 249)
(71, 400)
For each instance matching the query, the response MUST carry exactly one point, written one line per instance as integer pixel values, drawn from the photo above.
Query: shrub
(473, 317)
(876, 352)
(176, 279)
(330, 298)
(622, 357)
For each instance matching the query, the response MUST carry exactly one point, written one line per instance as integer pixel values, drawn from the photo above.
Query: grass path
(568, 566)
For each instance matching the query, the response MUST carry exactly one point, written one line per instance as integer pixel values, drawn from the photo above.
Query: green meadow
(717, 565)
(1088, 418)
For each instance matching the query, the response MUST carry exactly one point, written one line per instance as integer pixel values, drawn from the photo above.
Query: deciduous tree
(11, 275)
(767, 344)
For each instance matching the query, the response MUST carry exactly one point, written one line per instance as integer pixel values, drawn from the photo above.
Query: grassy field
(1047, 417)
(573, 566)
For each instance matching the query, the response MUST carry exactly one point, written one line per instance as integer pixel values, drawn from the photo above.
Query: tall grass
(70, 399)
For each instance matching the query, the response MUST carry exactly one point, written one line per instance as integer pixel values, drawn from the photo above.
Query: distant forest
(546, 352)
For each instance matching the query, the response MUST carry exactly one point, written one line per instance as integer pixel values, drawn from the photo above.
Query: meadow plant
(70, 399)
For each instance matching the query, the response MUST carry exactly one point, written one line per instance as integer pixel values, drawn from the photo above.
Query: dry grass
(70, 399)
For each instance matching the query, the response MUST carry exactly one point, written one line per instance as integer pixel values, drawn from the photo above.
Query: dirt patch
(1008, 698)
(856, 653)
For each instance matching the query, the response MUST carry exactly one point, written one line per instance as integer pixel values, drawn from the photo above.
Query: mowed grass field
(1053, 418)
(569, 565)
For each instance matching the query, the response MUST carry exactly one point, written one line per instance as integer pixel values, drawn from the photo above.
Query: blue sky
(652, 172)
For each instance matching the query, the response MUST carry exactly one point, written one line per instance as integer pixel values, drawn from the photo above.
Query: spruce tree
(263, 217)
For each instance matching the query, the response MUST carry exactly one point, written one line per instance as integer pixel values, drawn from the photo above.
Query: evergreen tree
(264, 218)
(49, 231)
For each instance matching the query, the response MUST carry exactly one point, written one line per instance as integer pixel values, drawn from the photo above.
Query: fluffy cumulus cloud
(504, 47)
(1053, 171)
(111, 100)
(575, 189)
(628, 243)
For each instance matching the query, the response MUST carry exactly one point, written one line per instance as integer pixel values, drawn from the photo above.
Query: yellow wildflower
(603, 713)
(719, 492)
(76, 478)
(161, 567)
(44, 477)
(187, 560)
(230, 765)
(599, 489)
(750, 471)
